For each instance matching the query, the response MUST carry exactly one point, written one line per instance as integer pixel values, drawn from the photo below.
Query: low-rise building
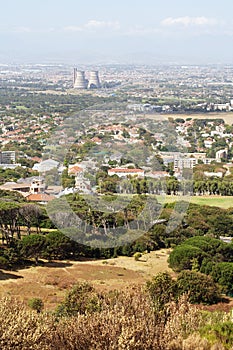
(124, 172)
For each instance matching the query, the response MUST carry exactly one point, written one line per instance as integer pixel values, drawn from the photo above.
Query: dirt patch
(50, 282)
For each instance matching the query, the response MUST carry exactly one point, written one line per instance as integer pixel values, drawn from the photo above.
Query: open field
(51, 281)
(224, 202)
(227, 117)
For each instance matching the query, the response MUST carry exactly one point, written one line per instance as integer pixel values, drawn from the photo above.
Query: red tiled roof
(125, 170)
(75, 169)
(40, 197)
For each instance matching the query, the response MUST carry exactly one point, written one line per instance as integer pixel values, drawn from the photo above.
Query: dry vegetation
(227, 117)
(126, 320)
(51, 281)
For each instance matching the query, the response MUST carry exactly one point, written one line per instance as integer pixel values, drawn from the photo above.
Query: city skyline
(133, 32)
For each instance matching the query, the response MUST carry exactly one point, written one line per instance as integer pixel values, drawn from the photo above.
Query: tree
(58, 246)
(162, 289)
(9, 221)
(32, 246)
(200, 288)
(181, 258)
(30, 214)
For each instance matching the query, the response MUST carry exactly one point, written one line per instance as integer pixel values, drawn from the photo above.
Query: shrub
(81, 299)
(222, 273)
(200, 288)
(220, 332)
(36, 304)
(181, 258)
(137, 256)
(162, 289)
(4, 263)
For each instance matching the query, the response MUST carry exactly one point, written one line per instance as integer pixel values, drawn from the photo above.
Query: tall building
(7, 157)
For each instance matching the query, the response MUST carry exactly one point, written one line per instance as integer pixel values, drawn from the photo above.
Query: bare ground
(51, 281)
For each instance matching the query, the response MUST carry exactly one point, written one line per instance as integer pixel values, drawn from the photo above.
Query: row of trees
(52, 246)
(97, 218)
(17, 217)
(170, 185)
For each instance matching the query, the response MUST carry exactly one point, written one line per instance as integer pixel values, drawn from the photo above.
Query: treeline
(16, 218)
(129, 225)
(50, 246)
(170, 185)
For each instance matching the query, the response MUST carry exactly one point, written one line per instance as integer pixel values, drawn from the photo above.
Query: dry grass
(50, 282)
(227, 117)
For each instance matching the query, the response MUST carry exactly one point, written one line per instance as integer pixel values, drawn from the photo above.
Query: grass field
(224, 202)
(227, 117)
(51, 281)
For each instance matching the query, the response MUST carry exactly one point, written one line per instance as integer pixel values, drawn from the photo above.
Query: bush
(137, 256)
(220, 332)
(181, 258)
(200, 288)
(222, 273)
(4, 263)
(162, 289)
(36, 304)
(81, 299)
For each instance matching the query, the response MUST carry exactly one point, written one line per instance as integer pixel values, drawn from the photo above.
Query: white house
(124, 172)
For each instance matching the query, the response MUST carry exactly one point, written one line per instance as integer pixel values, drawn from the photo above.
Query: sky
(122, 31)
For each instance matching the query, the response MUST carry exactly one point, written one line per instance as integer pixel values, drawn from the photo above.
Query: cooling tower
(94, 82)
(79, 79)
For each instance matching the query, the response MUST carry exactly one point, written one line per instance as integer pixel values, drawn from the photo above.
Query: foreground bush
(22, 329)
(126, 321)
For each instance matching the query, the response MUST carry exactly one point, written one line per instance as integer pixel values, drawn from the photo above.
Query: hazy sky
(150, 31)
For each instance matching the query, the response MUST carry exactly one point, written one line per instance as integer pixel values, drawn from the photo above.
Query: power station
(80, 81)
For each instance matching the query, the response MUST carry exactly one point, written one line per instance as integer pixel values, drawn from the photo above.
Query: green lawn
(216, 201)
(21, 107)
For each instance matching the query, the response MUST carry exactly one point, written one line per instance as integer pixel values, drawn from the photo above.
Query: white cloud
(189, 21)
(93, 25)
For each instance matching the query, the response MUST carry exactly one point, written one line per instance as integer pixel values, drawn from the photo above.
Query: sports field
(224, 202)
(227, 117)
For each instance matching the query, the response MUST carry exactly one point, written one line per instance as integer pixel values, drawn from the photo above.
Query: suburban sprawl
(116, 210)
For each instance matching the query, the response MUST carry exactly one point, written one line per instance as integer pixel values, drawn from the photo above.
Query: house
(208, 142)
(46, 165)
(124, 172)
(75, 170)
(185, 163)
(82, 185)
(213, 174)
(42, 198)
(18, 187)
